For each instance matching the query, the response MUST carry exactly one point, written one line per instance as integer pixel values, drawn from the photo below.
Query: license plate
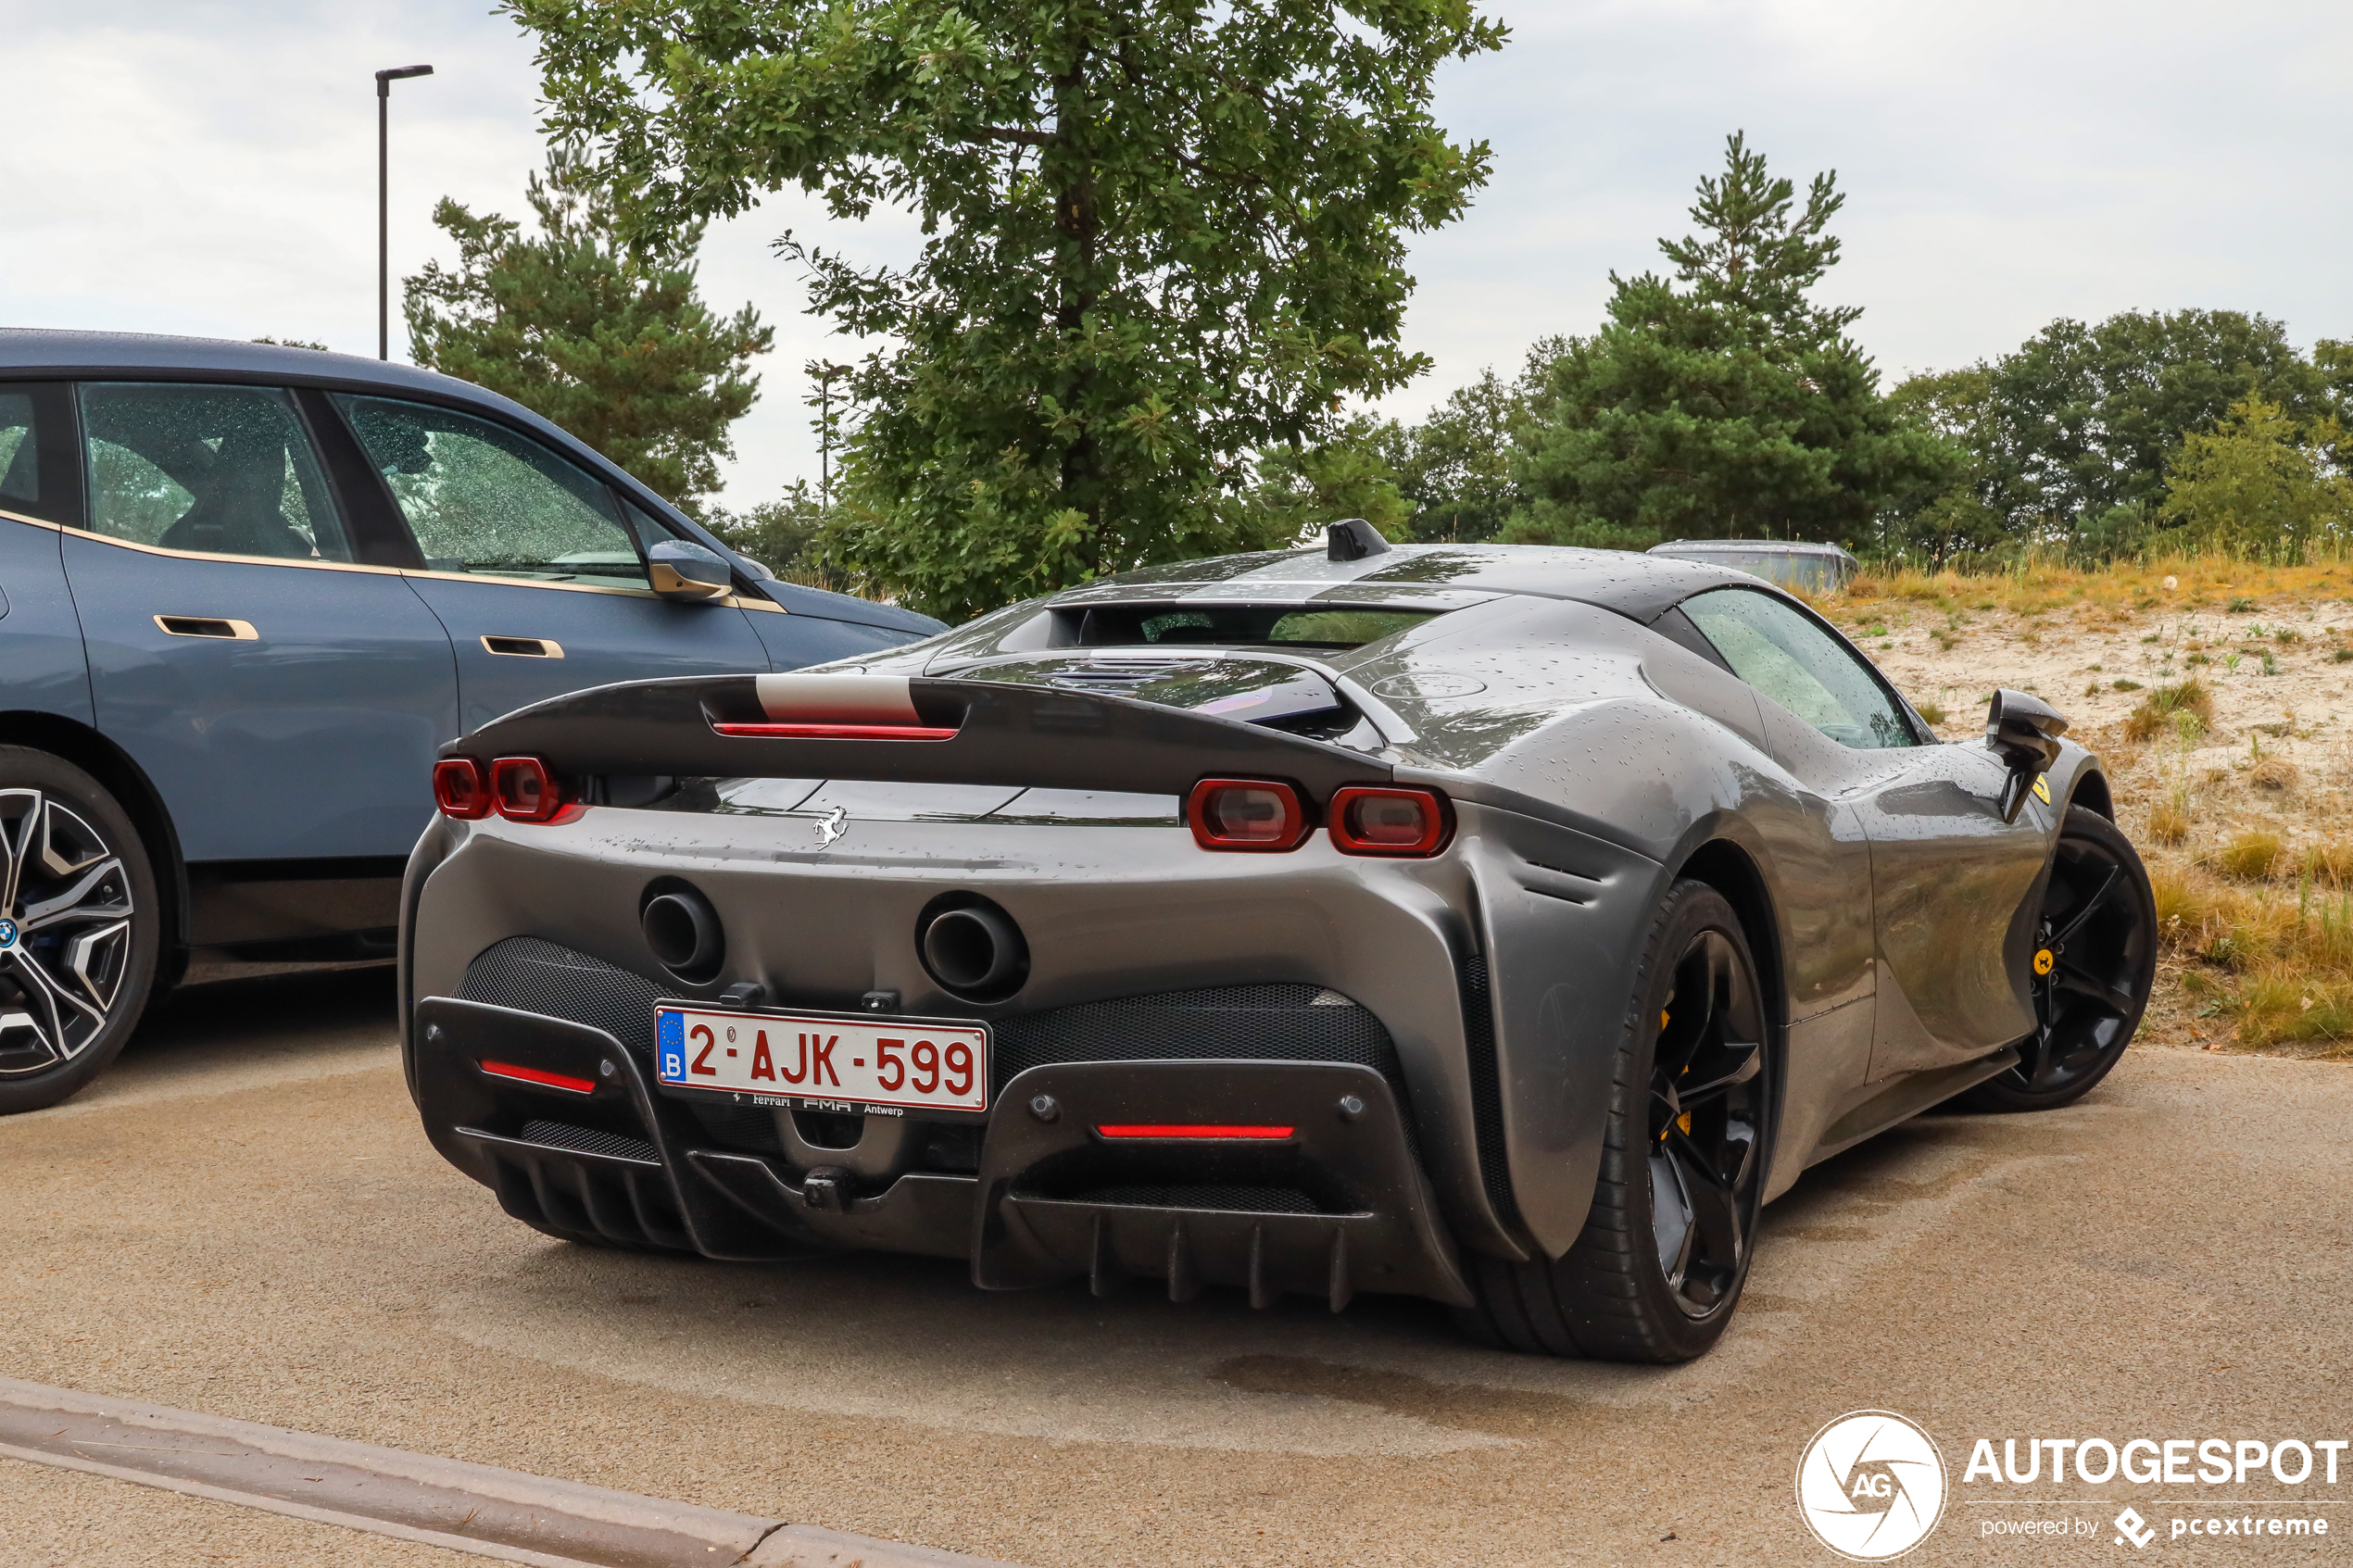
(839, 1062)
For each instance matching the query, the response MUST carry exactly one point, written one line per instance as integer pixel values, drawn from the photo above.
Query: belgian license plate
(833, 1063)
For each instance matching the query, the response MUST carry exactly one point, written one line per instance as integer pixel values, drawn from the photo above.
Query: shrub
(2169, 823)
(2330, 860)
(2188, 706)
(2252, 854)
(1932, 712)
(2275, 772)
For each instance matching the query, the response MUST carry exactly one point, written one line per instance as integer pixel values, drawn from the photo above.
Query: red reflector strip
(1191, 1130)
(532, 1075)
(835, 731)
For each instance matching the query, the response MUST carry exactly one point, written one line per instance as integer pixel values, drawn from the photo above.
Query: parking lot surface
(242, 1218)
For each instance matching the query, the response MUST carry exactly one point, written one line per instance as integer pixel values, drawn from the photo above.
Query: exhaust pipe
(975, 950)
(685, 934)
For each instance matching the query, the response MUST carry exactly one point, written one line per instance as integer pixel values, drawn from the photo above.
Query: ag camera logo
(1870, 1486)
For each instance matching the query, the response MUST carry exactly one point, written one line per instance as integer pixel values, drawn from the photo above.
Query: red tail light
(776, 729)
(1191, 1130)
(1411, 823)
(523, 791)
(1246, 814)
(459, 789)
(545, 1080)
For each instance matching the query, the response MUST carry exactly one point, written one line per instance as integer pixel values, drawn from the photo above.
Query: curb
(479, 1509)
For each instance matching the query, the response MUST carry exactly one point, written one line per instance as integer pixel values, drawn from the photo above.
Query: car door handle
(207, 626)
(524, 647)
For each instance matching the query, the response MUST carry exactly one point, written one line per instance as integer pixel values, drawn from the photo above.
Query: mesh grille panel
(751, 1127)
(529, 975)
(588, 1140)
(1278, 1023)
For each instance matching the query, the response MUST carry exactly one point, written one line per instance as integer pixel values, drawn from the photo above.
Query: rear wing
(904, 729)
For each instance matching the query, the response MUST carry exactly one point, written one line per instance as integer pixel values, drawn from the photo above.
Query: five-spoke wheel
(77, 929)
(2091, 965)
(1657, 1271)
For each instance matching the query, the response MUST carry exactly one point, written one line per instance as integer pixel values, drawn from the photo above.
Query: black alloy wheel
(1658, 1269)
(1705, 1102)
(78, 929)
(2093, 965)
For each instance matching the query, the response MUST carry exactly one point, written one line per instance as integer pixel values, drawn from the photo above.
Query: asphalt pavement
(242, 1218)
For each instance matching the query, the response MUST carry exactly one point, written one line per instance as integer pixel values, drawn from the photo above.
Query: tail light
(523, 791)
(778, 729)
(1246, 814)
(1408, 823)
(1220, 1130)
(459, 789)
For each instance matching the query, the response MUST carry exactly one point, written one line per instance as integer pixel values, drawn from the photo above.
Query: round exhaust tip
(685, 934)
(975, 951)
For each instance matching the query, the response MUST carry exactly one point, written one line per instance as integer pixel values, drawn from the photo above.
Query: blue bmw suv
(246, 591)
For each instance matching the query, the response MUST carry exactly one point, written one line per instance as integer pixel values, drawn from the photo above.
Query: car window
(485, 499)
(20, 454)
(1788, 657)
(223, 470)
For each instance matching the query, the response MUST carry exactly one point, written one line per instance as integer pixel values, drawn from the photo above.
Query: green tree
(2261, 483)
(1302, 490)
(1722, 401)
(1456, 469)
(1950, 514)
(612, 343)
(2080, 418)
(780, 534)
(1159, 237)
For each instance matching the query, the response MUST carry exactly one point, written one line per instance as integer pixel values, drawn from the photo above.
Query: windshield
(1280, 626)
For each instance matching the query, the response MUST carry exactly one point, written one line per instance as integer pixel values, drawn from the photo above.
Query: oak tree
(1158, 236)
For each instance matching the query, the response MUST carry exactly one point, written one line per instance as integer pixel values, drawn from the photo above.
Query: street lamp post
(384, 79)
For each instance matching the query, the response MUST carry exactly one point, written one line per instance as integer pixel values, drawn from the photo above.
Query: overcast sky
(209, 167)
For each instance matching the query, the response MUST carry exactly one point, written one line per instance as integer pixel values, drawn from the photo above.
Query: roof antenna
(1353, 539)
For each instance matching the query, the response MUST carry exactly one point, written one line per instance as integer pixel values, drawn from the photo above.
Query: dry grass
(2186, 710)
(2254, 855)
(2235, 785)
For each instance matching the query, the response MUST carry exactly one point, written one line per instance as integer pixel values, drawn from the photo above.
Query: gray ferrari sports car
(1498, 925)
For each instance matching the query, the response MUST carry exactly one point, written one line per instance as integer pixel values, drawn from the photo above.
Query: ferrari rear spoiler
(903, 729)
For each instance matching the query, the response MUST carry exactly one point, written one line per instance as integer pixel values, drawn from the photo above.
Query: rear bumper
(1337, 1205)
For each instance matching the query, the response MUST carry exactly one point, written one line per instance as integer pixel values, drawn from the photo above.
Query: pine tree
(1721, 402)
(612, 343)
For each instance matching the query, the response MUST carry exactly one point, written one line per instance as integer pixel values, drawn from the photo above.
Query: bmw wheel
(1658, 1269)
(2094, 964)
(78, 929)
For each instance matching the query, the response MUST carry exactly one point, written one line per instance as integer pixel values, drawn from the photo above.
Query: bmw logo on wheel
(7, 935)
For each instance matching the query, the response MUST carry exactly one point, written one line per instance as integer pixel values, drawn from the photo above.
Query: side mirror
(684, 571)
(2023, 731)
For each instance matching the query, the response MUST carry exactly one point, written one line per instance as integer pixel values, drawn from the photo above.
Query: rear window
(1226, 625)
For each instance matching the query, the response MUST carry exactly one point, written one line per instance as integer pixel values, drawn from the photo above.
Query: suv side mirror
(2023, 731)
(684, 571)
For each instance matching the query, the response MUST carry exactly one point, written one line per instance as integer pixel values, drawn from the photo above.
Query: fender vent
(1487, 1095)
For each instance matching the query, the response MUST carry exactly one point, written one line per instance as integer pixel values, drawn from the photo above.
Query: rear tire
(2098, 927)
(1657, 1271)
(79, 926)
